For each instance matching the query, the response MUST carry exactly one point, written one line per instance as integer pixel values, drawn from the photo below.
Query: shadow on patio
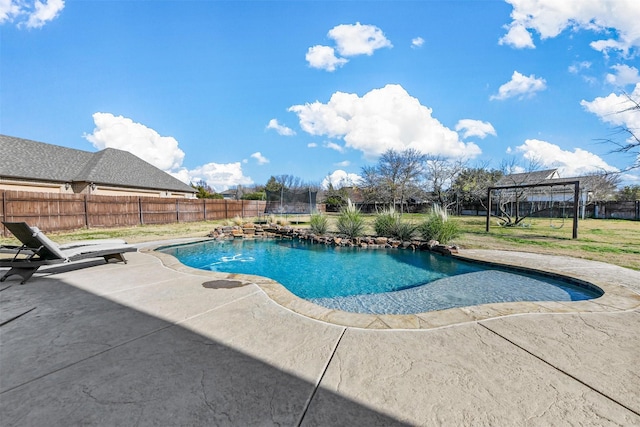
(80, 359)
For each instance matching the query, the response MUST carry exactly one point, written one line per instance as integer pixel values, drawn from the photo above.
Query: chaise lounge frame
(38, 250)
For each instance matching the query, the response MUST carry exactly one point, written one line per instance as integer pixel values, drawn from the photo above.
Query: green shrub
(258, 195)
(438, 226)
(319, 223)
(350, 221)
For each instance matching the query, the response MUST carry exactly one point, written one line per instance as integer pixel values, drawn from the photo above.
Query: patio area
(155, 343)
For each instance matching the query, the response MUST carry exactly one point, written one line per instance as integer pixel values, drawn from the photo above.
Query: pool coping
(616, 297)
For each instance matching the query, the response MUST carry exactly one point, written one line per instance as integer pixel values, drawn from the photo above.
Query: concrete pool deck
(156, 343)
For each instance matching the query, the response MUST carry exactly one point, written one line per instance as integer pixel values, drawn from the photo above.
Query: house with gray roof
(27, 165)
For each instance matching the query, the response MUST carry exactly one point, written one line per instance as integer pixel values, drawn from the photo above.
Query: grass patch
(611, 241)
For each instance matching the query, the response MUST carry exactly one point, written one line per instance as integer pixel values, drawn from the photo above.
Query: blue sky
(233, 92)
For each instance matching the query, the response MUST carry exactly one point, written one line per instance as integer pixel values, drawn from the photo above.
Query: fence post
(226, 209)
(86, 211)
(177, 210)
(140, 210)
(204, 209)
(4, 212)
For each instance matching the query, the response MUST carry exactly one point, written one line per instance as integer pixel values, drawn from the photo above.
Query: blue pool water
(379, 281)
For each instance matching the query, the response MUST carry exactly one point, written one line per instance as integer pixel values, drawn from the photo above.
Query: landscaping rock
(252, 231)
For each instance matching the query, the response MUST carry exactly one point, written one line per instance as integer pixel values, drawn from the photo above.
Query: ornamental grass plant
(385, 222)
(438, 226)
(350, 222)
(389, 223)
(319, 223)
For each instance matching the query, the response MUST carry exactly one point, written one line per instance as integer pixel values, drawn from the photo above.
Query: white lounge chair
(38, 250)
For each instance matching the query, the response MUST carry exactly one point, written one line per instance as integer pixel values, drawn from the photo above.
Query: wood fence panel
(234, 208)
(254, 208)
(158, 211)
(113, 211)
(216, 209)
(49, 211)
(616, 210)
(57, 212)
(190, 210)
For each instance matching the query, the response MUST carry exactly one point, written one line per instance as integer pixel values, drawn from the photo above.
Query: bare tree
(600, 186)
(394, 178)
(440, 174)
(631, 142)
(372, 189)
(289, 182)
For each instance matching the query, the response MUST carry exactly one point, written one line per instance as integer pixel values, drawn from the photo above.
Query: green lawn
(613, 241)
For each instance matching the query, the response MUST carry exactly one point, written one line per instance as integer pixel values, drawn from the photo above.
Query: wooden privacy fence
(56, 212)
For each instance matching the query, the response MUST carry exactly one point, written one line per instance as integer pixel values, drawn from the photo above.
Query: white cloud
(343, 164)
(417, 42)
(382, 119)
(312, 145)
(611, 108)
(217, 175)
(549, 18)
(624, 75)
(260, 158)
(357, 39)
(30, 14)
(334, 146)
(324, 57)
(281, 129)
(124, 134)
(629, 179)
(161, 151)
(340, 178)
(518, 37)
(520, 86)
(44, 12)
(475, 128)
(351, 40)
(569, 163)
(577, 67)
(9, 10)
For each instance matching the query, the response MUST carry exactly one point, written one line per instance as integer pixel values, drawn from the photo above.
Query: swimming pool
(376, 281)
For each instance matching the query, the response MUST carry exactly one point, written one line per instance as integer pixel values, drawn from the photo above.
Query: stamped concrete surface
(144, 344)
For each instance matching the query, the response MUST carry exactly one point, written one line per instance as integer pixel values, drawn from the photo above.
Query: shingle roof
(526, 178)
(26, 159)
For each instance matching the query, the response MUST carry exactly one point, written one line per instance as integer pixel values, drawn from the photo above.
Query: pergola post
(576, 207)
